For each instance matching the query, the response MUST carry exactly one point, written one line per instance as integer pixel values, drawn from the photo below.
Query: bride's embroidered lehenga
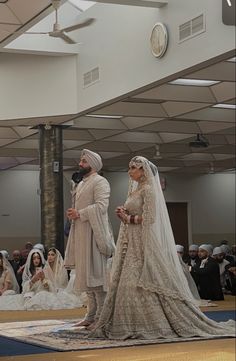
(149, 296)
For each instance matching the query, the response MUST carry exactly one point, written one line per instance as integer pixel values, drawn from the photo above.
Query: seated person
(55, 266)
(218, 255)
(17, 264)
(8, 283)
(34, 278)
(207, 275)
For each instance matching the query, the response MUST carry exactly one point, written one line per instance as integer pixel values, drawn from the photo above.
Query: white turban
(217, 250)
(4, 253)
(193, 247)
(225, 249)
(179, 248)
(206, 247)
(39, 246)
(93, 159)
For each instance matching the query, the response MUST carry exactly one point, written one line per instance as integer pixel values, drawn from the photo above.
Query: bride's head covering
(6, 266)
(162, 271)
(28, 269)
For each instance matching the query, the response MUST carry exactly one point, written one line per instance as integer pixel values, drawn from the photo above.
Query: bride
(149, 296)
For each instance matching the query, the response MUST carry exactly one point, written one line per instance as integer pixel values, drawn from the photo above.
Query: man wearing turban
(90, 243)
(207, 274)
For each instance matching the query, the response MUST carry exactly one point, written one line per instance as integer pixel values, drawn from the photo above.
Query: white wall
(211, 199)
(32, 85)
(120, 45)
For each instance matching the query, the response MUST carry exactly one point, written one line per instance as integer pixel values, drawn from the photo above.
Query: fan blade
(33, 33)
(78, 26)
(66, 38)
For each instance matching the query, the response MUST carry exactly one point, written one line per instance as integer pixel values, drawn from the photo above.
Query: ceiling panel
(173, 126)
(136, 137)
(224, 71)
(214, 114)
(136, 122)
(98, 123)
(173, 137)
(209, 127)
(8, 133)
(224, 91)
(27, 9)
(180, 93)
(176, 108)
(25, 144)
(133, 109)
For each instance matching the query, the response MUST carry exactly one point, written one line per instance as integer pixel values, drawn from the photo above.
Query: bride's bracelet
(132, 219)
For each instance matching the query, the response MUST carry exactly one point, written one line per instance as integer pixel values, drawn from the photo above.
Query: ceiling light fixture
(194, 82)
(229, 2)
(212, 168)
(104, 116)
(224, 106)
(232, 60)
(157, 154)
(199, 142)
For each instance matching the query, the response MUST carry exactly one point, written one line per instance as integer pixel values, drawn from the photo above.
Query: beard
(219, 260)
(84, 171)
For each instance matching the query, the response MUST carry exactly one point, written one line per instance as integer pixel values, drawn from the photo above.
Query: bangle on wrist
(127, 219)
(132, 219)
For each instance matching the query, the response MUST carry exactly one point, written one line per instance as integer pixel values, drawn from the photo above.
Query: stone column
(51, 186)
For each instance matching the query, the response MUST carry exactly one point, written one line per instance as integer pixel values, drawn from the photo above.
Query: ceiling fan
(57, 32)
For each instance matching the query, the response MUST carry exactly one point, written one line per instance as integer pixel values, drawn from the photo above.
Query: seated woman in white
(40, 285)
(34, 278)
(8, 282)
(55, 267)
(9, 288)
(56, 270)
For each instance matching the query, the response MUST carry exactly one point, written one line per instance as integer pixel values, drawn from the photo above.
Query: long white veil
(162, 271)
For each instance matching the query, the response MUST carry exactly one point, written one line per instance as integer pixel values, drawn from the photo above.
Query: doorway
(178, 213)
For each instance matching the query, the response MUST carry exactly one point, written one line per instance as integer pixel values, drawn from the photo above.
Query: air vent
(192, 28)
(91, 77)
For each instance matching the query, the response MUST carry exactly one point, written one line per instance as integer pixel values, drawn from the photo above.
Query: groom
(90, 236)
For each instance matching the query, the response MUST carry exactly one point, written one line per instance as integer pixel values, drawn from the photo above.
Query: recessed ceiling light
(224, 106)
(104, 116)
(233, 60)
(194, 82)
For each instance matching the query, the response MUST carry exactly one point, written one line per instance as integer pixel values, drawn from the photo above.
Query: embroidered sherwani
(90, 241)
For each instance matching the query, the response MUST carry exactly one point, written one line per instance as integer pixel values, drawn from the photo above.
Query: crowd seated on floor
(35, 278)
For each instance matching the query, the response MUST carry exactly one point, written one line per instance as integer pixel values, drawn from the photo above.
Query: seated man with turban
(90, 243)
(207, 274)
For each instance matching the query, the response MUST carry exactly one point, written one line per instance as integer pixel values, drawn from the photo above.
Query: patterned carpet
(60, 335)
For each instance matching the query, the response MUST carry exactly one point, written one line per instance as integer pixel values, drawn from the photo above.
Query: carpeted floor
(9, 347)
(221, 316)
(42, 336)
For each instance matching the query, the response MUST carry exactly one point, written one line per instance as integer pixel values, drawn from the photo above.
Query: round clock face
(159, 40)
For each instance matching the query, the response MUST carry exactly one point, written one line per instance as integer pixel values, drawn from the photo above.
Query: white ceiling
(157, 122)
